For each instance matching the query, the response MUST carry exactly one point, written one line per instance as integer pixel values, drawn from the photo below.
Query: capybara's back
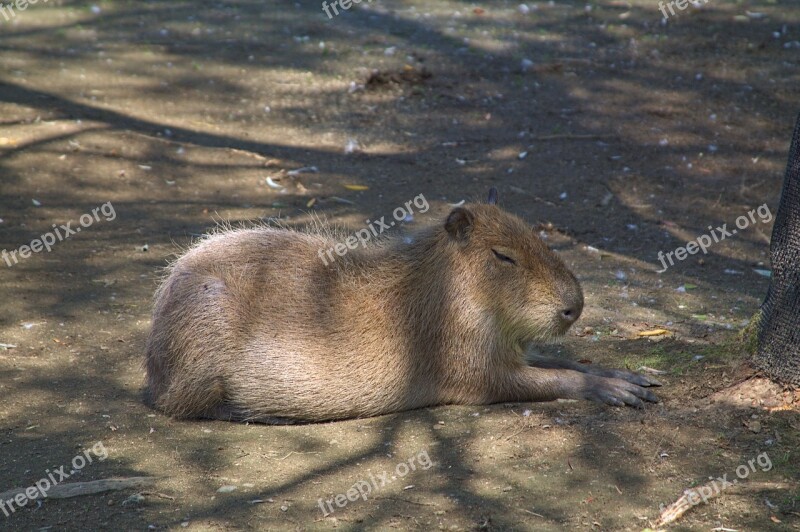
(252, 324)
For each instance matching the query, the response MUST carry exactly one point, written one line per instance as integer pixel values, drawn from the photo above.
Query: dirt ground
(618, 134)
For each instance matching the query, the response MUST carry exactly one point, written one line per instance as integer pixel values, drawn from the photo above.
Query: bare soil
(618, 135)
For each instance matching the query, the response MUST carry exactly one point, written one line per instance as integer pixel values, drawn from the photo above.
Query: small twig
(764, 237)
(77, 489)
(534, 196)
(706, 492)
(568, 136)
(285, 457)
(520, 431)
(247, 153)
(295, 452)
(528, 424)
(342, 200)
(657, 456)
(159, 495)
(410, 502)
(651, 370)
(532, 513)
(674, 511)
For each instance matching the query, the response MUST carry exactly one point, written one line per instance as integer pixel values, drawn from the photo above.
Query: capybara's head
(521, 281)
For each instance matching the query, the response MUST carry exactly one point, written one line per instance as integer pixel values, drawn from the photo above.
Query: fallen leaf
(771, 409)
(356, 187)
(653, 332)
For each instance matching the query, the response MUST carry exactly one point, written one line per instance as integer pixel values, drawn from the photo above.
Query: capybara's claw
(618, 392)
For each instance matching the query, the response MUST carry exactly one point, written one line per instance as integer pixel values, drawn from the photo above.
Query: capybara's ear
(459, 224)
(492, 196)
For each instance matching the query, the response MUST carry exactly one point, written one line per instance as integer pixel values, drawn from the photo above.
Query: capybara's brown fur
(250, 324)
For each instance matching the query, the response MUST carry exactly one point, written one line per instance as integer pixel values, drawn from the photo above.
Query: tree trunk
(779, 327)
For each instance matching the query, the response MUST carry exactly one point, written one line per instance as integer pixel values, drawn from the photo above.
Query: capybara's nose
(571, 311)
(569, 315)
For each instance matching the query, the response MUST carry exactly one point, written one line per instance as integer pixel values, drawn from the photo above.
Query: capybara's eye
(504, 258)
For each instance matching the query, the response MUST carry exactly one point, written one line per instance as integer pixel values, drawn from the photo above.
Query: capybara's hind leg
(190, 331)
(192, 398)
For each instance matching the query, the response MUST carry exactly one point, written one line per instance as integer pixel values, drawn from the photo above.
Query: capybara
(251, 325)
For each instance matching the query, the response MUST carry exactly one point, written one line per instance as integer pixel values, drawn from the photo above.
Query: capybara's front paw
(630, 376)
(617, 392)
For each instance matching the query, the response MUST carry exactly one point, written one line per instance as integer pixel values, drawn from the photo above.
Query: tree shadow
(588, 75)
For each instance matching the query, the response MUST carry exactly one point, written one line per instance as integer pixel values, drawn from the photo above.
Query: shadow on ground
(620, 135)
